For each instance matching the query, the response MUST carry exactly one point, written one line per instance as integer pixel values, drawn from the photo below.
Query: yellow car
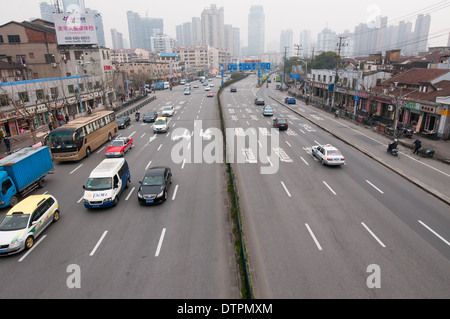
(26, 221)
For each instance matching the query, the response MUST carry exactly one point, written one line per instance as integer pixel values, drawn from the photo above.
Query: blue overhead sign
(248, 66)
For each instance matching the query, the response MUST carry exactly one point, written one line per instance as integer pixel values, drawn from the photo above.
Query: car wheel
(56, 216)
(88, 152)
(165, 195)
(29, 242)
(116, 200)
(323, 162)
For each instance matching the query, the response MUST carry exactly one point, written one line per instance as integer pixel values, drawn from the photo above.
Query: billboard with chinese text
(75, 28)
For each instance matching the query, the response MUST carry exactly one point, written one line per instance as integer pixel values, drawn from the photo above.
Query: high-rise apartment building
(236, 42)
(287, 43)
(142, 29)
(47, 11)
(256, 30)
(327, 40)
(421, 32)
(306, 43)
(117, 40)
(213, 31)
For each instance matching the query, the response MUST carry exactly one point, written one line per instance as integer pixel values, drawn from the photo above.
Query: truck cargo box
(27, 165)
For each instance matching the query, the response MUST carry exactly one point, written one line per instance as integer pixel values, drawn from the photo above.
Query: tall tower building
(117, 39)
(47, 11)
(306, 43)
(142, 29)
(213, 30)
(287, 42)
(237, 42)
(196, 31)
(421, 32)
(256, 30)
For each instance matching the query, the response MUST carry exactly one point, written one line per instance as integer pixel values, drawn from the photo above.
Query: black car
(150, 116)
(233, 89)
(259, 101)
(155, 185)
(123, 122)
(281, 124)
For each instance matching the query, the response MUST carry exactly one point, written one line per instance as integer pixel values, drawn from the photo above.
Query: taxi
(328, 155)
(26, 221)
(161, 125)
(119, 147)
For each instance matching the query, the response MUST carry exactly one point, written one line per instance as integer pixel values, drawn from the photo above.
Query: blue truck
(22, 172)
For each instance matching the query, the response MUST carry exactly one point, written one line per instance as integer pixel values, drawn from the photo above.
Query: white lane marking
(285, 188)
(304, 161)
(436, 234)
(160, 147)
(98, 243)
(288, 144)
(329, 188)
(374, 236)
(160, 242)
(132, 134)
(313, 237)
(375, 187)
(80, 199)
(131, 192)
(175, 192)
(148, 165)
(98, 152)
(75, 169)
(142, 135)
(31, 249)
(182, 165)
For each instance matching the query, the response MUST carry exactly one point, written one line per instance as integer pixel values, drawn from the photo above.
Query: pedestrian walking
(417, 145)
(67, 118)
(50, 126)
(8, 144)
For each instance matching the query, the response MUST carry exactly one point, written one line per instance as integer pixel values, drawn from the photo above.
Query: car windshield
(14, 222)
(99, 183)
(153, 181)
(282, 121)
(117, 143)
(120, 119)
(160, 122)
(168, 109)
(150, 114)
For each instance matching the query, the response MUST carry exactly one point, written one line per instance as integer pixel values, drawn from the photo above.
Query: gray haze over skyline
(280, 15)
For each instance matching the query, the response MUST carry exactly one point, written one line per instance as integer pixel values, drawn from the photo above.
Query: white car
(168, 111)
(161, 125)
(328, 155)
(207, 88)
(26, 221)
(187, 92)
(211, 84)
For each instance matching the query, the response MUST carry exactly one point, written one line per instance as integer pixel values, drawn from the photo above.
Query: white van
(106, 182)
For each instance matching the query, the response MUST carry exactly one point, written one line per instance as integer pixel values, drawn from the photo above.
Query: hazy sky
(280, 14)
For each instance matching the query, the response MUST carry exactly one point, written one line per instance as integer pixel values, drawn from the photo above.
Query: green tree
(325, 61)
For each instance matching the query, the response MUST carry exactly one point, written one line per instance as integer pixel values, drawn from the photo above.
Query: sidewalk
(430, 174)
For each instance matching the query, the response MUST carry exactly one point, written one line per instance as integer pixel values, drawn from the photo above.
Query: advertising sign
(75, 28)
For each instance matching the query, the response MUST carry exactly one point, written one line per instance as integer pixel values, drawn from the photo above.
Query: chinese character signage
(75, 28)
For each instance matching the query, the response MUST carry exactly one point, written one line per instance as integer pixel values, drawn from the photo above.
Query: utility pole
(340, 44)
(283, 81)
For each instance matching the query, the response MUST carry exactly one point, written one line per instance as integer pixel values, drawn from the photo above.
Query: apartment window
(90, 86)
(21, 59)
(70, 89)
(31, 55)
(1, 39)
(39, 94)
(54, 93)
(49, 58)
(78, 55)
(13, 38)
(4, 101)
(23, 96)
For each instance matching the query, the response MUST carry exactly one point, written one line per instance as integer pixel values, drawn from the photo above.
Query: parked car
(281, 123)
(119, 146)
(26, 221)
(290, 100)
(150, 116)
(123, 122)
(268, 111)
(328, 154)
(260, 101)
(155, 185)
(161, 125)
(168, 111)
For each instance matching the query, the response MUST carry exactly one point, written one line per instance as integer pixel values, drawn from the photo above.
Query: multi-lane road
(356, 231)
(180, 249)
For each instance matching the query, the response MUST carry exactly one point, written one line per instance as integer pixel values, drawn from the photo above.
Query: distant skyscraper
(421, 32)
(142, 29)
(47, 11)
(327, 40)
(306, 43)
(71, 5)
(228, 38)
(196, 31)
(256, 30)
(236, 42)
(117, 39)
(213, 31)
(287, 43)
